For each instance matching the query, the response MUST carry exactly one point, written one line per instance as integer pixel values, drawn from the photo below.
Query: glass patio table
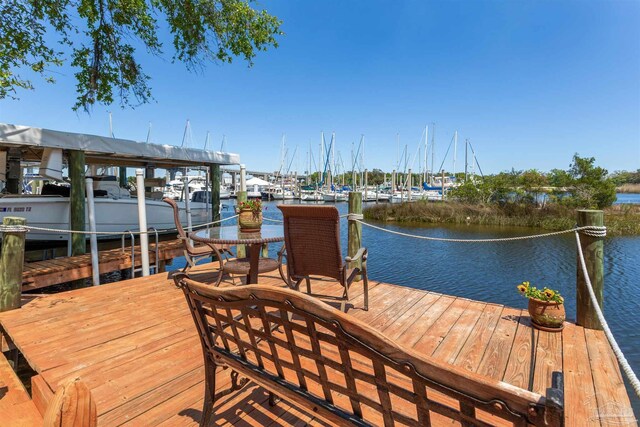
(231, 235)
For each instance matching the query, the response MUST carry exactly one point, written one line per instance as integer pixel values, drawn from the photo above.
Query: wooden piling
(122, 176)
(355, 228)
(393, 182)
(241, 251)
(14, 171)
(593, 250)
(77, 201)
(366, 185)
(215, 177)
(11, 262)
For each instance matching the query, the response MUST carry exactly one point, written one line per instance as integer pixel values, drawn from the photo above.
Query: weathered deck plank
(134, 344)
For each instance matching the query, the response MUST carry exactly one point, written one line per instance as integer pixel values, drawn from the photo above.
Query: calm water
(490, 271)
(624, 198)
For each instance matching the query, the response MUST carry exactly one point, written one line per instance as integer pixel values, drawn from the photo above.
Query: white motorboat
(174, 189)
(313, 196)
(115, 210)
(277, 193)
(335, 196)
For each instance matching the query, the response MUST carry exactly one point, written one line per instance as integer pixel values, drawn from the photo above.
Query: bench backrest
(337, 367)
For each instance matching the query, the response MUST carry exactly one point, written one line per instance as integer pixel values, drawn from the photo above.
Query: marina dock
(135, 346)
(40, 274)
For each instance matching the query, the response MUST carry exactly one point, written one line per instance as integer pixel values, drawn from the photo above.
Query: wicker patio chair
(312, 245)
(192, 253)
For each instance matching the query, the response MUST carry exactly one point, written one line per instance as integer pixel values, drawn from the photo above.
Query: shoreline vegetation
(514, 199)
(621, 220)
(628, 188)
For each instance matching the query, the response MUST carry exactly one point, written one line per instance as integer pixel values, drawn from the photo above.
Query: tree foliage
(625, 177)
(591, 187)
(583, 185)
(101, 38)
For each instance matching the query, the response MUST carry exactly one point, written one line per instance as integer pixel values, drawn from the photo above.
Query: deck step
(16, 406)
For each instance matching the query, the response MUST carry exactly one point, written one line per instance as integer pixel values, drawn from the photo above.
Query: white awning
(257, 181)
(102, 149)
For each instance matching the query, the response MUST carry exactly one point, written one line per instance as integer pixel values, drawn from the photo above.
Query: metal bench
(343, 371)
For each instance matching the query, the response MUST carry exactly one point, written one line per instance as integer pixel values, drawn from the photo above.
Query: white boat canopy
(257, 181)
(105, 150)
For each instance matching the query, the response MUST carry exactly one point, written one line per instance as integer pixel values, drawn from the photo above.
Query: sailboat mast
(321, 163)
(455, 152)
(333, 157)
(426, 154)
(433, 145)
(466, 149)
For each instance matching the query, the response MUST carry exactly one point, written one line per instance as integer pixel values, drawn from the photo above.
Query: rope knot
(13, 228)
(354, 217)
(594, 230)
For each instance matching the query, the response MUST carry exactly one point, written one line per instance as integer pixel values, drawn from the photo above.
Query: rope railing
(272, 220)
(27, 228)
(592, 230)
(622, 360)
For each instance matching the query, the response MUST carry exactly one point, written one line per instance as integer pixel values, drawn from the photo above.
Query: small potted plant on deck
(250, 216)
(546, 307)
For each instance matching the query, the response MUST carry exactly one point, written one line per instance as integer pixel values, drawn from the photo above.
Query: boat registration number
(16, 209)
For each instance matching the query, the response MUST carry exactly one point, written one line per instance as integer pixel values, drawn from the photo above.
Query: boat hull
(112, 215)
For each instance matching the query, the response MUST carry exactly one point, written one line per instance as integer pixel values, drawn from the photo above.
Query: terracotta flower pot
(250, 222)
(547, 315)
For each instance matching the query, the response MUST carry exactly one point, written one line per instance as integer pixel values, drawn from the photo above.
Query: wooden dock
(134, 344)
(40, 274)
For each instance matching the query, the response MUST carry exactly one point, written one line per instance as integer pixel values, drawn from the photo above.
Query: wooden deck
(40, 274)
(135, 345)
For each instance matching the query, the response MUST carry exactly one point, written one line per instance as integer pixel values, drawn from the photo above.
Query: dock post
(355, 228)
(11, 263)
(77, 202)
(122, 176)
(93, 238)
(241, 251)
(593, 250)
(142, 219)
(214, 175)
(366, 185)
(393, 182)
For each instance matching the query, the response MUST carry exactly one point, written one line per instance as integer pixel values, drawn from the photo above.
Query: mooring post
(93, 238)
(77, 202)
(241, 251)
(593, 250)
(214, 175)
(122, 176)
(142, 221)
(11, 264)
(355, 228)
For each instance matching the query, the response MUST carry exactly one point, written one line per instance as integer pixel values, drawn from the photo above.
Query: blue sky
(528, 83)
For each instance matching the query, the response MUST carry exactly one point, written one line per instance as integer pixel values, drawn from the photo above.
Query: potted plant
(250, 216)
(546, 307)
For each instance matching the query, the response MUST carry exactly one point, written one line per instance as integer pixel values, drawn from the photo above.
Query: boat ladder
(132, 241)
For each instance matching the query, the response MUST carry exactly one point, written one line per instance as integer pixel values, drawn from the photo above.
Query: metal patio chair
(192, 253)
(312, 245)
